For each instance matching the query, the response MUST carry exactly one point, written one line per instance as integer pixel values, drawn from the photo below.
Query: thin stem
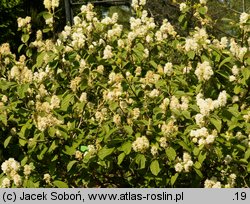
(243, 6)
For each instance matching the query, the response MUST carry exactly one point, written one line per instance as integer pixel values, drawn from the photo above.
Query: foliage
(103, 106)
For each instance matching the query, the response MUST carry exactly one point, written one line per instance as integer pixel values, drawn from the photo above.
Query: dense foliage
(103, 106)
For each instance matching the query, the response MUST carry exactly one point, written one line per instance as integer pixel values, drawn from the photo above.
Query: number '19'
(241, 196)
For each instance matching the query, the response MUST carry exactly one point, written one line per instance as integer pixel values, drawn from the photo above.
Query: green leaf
(66, 101)
(202, 10)
(69, 150)
(248, 168)
(196, 151)
(153, 64)
(226, 60)
(120, 158)
(109, 133)
(20, 48)
(246, 74)
(7, 141)
(171, 154)
(237, 89)
(128, 129)
(70, 165)
(202, 157)
(155, 167)
(198, 173)
(191, 54)
(52, 147)
(24, 161)
(22, 89)
(40, 59)
(60, 184)
(22, 142)
(140, 159)
(197, 165)
(83, 148)
(3, 119)
(174, 178)
(241, 147)
(186, 114)
(234, 110)
(216, 122)
(181, 18)
(126, 147)
(184, 145)
(104, 152)
(25, 38)
(247, 154)
(243, 161)
(47, 15)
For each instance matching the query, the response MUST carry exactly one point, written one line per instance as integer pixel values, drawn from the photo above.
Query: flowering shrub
(99, 106)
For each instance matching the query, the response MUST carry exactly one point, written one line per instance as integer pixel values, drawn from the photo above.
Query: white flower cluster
(11, 167)
(176, 105)
(116, 89)
(21, 73)
(78, 155)
(191, 45)
(91, 150)
(183, 6)
(114, 32)
(202, 136)
(163, 142)
(140, 27)
(78, 39)
(74, 84)
(4, 99)
(102, 115)
(107, 53)
(154, 150)
(46, 106)
(222, 44)
(231, 181)
(208, 105)
(154, 93)
(5, 49)
(237, 50)
(135, 113)
(27, 169)
(83, 97)
(164, 104)
(141, 144)
(44, 122)
(110, 21)
(168, 69)
(24, 22)
(137, 3)
(204, 71)
(235, 72)
(212, 183)
(117, 119)
(244, 18)
(185, 164)
(47, 178)
(51, 4)
(203, 1)
(168, 129)
(41, 74)
(167, 29)
(198, 41)
(150, 79)
(247, 117)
